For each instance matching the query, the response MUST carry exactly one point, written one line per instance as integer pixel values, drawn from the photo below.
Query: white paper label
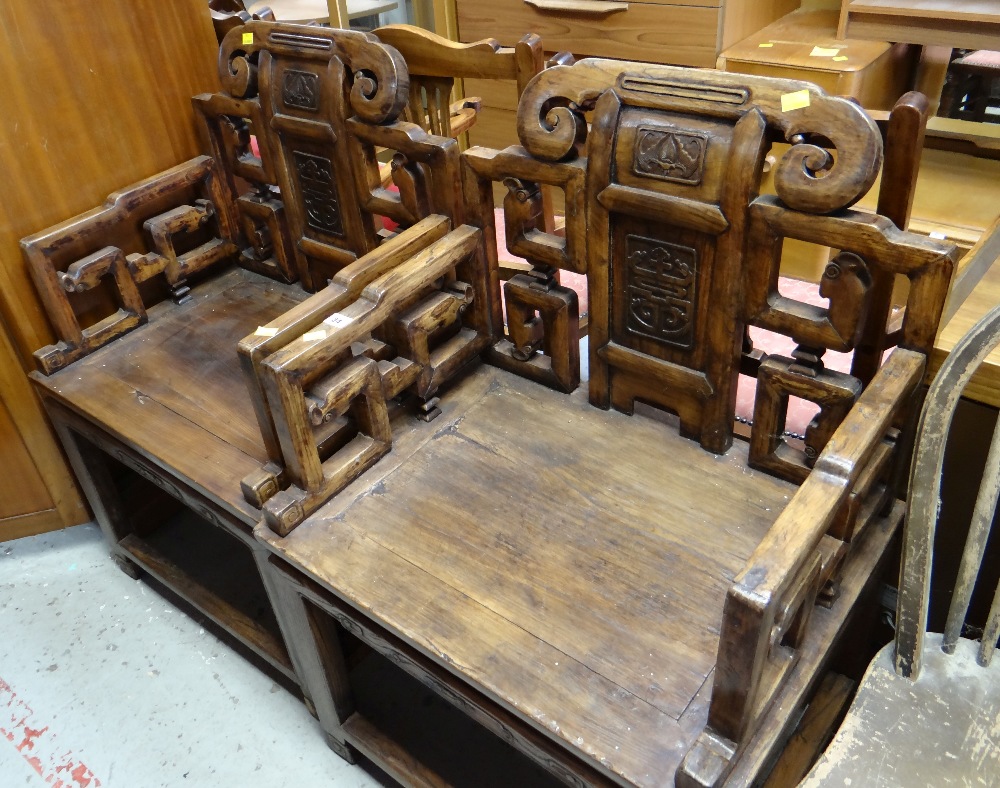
(337, 320)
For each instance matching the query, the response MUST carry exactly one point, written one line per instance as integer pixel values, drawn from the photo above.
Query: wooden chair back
(681, 254)
(317, 103)
(435, 63)
(925, 497)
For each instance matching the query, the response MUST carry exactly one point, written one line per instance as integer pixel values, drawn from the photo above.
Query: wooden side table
(804, 45)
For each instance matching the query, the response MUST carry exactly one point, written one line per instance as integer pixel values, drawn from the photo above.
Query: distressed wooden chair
(435, 63)
(343, 197)
(594, 588)
(928, 707)
(150, 293)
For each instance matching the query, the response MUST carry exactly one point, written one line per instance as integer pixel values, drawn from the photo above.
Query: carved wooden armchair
(614, 601)
(150, 294)
(317, 150)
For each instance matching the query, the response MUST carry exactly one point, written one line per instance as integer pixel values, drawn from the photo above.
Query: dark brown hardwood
(507, 501)
(598, 575)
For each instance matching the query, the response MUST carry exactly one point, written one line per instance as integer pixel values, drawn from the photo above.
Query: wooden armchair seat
(567, 576)
(478, 538)
(150, 294)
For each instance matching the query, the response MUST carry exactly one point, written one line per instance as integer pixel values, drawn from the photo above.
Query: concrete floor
(105, 683)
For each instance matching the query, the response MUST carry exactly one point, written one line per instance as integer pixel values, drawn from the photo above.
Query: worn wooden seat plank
(185, 359)
(174, 391)
(531, 543)
(522, 566)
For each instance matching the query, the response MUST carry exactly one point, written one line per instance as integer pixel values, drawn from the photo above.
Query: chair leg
(314, 648)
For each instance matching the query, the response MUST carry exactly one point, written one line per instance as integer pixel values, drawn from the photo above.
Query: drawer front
(682, 35)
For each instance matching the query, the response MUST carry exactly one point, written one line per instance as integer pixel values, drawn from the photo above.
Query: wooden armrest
(799, 528)
(336, 378)
(76, 255)
(308, 359)
(772, 596)
(343, 289)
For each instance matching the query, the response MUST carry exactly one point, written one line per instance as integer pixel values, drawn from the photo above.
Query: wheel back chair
(928, 704)
(620, 598)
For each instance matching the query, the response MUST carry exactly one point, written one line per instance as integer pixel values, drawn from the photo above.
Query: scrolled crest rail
(381, 81)
(552, 123)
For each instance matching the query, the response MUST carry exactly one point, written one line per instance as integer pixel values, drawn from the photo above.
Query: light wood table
(965, 24)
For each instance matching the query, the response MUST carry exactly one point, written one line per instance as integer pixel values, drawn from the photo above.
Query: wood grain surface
(73, 130)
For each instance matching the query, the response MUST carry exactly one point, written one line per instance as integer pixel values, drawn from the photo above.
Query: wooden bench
(411, 460)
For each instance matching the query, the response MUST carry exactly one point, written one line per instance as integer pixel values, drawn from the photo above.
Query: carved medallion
(300, 89)
(677, 156)
(660, 282)
(319, 192)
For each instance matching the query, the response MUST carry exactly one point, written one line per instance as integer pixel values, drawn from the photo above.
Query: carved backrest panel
(303, 114)
(97, 272)
(682, 254)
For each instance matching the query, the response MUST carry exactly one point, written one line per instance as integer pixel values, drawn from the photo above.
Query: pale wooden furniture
(60, 160)
(927, 708)
(305, 11)
(435, 63)
(962, 24)
(804, 45)
(687, 34)
(975, 292)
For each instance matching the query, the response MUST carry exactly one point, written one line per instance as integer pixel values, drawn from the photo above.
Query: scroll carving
(380, 85)
(551, 123)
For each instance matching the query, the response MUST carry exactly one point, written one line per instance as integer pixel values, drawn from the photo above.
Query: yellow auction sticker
(797, 100)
